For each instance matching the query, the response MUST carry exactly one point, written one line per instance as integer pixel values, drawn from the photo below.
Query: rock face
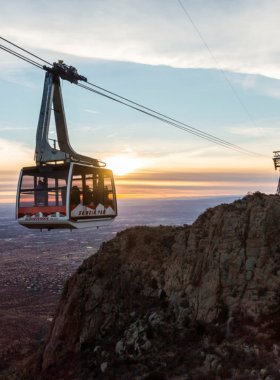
(152, 294)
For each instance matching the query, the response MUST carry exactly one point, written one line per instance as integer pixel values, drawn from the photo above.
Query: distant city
(42, 261)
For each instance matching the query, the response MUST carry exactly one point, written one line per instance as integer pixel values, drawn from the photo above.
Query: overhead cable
(219, 67)
(176, 121)
(154, 114)
(237, 149)
(26, 51)
(21, 57)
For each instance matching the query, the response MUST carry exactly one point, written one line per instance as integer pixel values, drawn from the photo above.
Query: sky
(150, 52)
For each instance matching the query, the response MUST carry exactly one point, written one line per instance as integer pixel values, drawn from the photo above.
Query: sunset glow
(123, 165)
(170, 72)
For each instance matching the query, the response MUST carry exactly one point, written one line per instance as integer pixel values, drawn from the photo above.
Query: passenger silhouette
(41, 194)
(75, 196)
(63, 195)
(88, 196)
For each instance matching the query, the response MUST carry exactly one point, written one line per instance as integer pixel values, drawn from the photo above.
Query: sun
(122, 165)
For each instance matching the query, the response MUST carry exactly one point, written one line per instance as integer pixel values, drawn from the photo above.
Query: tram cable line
(174, 120)
(196, 133)
(221, 70)
(26, 59)
(164, 118)
(26, 51)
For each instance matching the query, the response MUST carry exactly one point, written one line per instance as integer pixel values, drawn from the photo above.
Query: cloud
(127, 150)
(268, 87)
(272, 91)
(91, 111)
(255, 131)
(162, 189)
(198, 176)
(114, 134)
(13, 154)
(11, 69)
(14, 128)
(241, 35)
(85, 128)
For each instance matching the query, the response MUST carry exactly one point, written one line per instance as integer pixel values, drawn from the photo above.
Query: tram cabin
(68, 195)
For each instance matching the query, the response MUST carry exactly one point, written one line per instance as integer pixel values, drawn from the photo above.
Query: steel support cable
(219, 67)
(201, 133)
(169, 122)
(25, 51)
(179, 122)
(21, 57)
(189, 129)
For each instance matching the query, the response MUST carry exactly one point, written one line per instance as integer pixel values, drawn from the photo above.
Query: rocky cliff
(190, 302)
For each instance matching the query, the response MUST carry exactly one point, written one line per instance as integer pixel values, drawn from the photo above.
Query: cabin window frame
(100, 170)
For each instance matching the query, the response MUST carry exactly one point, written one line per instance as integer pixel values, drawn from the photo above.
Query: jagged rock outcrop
(156, 298)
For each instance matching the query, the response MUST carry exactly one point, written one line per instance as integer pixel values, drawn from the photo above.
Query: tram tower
(276, 160)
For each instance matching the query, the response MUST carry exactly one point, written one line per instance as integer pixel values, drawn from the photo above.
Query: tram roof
(62, 165)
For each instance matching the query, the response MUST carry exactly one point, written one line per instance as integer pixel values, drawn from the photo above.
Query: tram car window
(92, 192)
(41, 190)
